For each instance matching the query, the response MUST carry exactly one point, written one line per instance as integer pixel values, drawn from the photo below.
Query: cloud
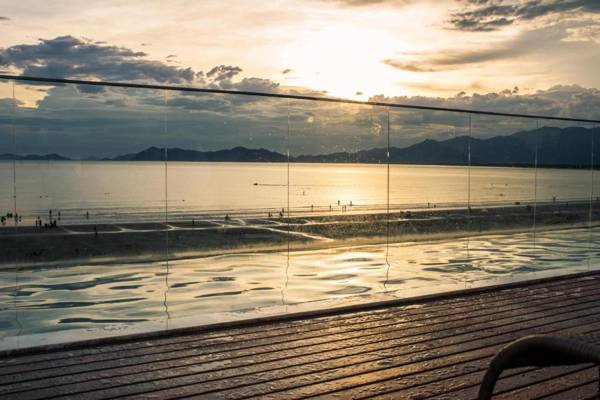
(223, 73)
(2, 18)
(75, 123)
(583, 34)
(526, 44)
(454, 59)
(256, 85)
(492, 15)
(362, 3)
(70, 57)
(89, 120)
(286, 71)
(408, 66)
(562, 101)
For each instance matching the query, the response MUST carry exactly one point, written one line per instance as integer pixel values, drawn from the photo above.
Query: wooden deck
(436, 349)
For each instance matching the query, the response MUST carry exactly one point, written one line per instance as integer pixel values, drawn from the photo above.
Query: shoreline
(112, 244)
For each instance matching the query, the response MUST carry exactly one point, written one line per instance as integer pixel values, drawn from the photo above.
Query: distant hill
(237, 154)
(557, 147)
(33, 157)
(568, 147)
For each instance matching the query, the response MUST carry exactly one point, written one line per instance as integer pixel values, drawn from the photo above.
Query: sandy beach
(131, 242)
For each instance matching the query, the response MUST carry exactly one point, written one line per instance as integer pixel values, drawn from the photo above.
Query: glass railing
(130, 208)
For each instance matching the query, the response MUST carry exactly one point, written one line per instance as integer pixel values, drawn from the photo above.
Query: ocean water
(126, 191)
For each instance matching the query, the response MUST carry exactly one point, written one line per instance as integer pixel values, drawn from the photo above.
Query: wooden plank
(496, 319)
(223, 380)
(437, 349)
(555, 388)
(351, 368)
(353, 377)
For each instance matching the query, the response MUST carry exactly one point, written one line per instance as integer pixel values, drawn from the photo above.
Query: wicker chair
(541, 351)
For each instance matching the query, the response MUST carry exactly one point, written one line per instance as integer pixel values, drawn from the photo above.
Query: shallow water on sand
(105, 296)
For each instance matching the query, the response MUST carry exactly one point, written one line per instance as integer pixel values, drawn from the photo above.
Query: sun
(343, 60)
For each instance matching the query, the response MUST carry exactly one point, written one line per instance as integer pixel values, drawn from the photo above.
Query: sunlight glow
(344, 60)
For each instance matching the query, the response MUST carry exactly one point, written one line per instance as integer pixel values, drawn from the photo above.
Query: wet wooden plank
(496, 318)
(244, 377)
(437, 349)
(386, 320)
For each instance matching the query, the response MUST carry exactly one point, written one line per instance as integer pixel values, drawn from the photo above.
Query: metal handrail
(283, 96)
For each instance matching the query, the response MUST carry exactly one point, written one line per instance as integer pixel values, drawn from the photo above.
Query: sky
(528, 56)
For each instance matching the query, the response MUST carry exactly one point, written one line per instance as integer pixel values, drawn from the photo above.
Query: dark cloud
(73, 122)
(90, 89)
(492, 15)
(408, 66)
(2, 18)
(8, 103)
(286, 71)
(526, 44)
(256, 85)
(70, 57)
(223, 73)
(454, 59)
(201, 103)
(562, 100)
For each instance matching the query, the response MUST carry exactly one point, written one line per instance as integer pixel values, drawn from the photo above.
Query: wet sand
(130, 242)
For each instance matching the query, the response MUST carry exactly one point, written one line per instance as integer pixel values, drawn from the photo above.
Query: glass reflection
(564, 192)
(227, 190)
(594, 244)
(86, 209)
(503, 193)
(337, 198)
(429, 197)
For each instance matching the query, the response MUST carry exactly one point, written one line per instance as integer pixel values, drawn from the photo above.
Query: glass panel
(337, 200)
(227, 184)
(503, 194)
(564, 192)
(595, 200)
(9, 322)
(429, 219)
(90, 240)
(136, 209)
(6, 153)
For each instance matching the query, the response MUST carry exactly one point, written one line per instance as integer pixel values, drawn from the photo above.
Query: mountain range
(33, 157)
(566, 147)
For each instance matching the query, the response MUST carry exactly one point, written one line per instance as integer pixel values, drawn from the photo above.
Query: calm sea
(118, 191)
